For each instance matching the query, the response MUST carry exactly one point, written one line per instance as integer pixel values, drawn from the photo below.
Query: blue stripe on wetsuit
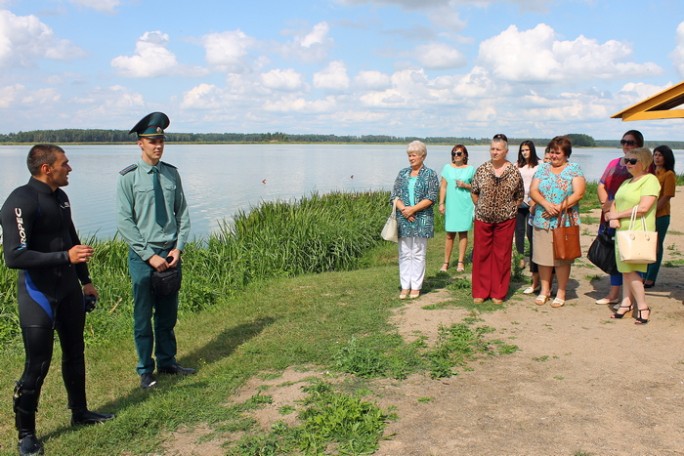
(38, 296)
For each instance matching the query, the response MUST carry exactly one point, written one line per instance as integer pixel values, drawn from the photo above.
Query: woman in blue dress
(456, 204)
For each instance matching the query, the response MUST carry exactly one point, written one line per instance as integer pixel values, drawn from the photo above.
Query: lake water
(220, 180)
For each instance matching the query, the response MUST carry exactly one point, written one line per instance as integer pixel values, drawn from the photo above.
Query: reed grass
(315, 234)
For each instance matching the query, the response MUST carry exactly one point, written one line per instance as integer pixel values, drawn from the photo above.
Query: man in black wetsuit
(39, 239)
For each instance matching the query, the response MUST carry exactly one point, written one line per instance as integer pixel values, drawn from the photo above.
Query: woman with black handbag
(613, 176)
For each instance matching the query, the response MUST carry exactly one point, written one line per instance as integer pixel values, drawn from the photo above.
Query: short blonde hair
(644, 155)
(417, 147)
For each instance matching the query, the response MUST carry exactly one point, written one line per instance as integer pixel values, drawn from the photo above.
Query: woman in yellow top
(642, 191)
(664, 161)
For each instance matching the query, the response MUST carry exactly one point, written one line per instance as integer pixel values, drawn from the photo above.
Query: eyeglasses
(500, 137)
(632, 161)
(457, 154)
(627, 142)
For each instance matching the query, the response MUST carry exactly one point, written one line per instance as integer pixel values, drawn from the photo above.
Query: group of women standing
(502, 202)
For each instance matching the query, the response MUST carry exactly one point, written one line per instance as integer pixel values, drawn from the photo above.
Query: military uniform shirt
(136, 212)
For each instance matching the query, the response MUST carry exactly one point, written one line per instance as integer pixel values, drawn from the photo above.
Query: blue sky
(527, 68)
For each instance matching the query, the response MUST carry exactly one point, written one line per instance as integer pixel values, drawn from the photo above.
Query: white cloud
(226, 50)
(115, 97)
(372, 80)
(439, 56)
(151, 57)
(203, 96)
(634, 92)
(477, 83)
(678, 53)
(537, 55)
(409, 4)
(24, 39)
(446, 18)
(525, 5)
(105, 6)
(333, 77)
(299, 104)
(308, 46)
(317, 36)
(9, 94)
(44, 96)
(407, 86)
(277, 79)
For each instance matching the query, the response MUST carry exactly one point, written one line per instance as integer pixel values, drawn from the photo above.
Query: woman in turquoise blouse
(557, 187)
(416, 188)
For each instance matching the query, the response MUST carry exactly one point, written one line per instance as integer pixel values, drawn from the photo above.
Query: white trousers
(412, 262)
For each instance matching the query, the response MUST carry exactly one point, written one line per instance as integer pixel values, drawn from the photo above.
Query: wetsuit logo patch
(20, 228)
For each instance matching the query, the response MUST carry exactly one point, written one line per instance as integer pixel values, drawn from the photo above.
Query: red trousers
(492, 249)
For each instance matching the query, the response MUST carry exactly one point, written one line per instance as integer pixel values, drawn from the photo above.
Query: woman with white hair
(416, 189)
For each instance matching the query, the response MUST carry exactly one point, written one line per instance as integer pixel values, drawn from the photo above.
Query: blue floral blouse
(555, 188)
(426, 187)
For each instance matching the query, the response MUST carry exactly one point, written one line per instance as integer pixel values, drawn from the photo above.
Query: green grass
(246, 311)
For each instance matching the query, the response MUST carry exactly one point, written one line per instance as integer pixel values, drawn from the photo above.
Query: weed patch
(373, 357)
(330, 423)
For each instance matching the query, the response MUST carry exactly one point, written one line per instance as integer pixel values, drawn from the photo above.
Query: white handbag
(638, 247)
(390, 232)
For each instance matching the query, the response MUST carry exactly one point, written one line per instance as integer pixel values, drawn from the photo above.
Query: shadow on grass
(218, 348)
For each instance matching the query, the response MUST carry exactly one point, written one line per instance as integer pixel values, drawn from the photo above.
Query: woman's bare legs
(448, 247)
(462, 247)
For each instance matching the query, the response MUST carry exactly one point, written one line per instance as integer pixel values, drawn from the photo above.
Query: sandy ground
(580, 383)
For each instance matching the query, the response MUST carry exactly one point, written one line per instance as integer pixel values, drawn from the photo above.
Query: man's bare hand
(80, 254)
(158, 263)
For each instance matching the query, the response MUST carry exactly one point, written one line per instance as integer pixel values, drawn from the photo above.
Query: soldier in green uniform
(154, 221)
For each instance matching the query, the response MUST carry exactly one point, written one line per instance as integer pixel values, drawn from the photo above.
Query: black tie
(159, 205)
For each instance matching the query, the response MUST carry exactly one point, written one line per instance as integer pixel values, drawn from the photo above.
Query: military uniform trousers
(148, 308)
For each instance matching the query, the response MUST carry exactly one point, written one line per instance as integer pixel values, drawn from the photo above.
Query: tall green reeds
(276, 239)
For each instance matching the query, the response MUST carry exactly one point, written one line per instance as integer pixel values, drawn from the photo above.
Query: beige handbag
(390, 232)
(637, 246)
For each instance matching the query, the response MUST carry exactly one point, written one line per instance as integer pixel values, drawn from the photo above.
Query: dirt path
(580, 382)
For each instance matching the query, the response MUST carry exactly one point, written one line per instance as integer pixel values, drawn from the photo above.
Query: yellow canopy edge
(659, 106)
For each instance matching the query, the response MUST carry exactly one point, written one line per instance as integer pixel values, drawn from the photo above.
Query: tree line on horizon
(94, 136)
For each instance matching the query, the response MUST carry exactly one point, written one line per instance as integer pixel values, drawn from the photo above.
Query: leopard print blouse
(499, 197)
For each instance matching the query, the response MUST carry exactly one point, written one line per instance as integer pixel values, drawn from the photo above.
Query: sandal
(531, 290)
(639, 319)
(557, 303)
(444, 267)
(460, 267)
(541, 299)
(619, 314)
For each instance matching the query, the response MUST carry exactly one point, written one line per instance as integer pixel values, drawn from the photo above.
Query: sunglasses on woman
(627, 142)
(632, 161)
(457, 154)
